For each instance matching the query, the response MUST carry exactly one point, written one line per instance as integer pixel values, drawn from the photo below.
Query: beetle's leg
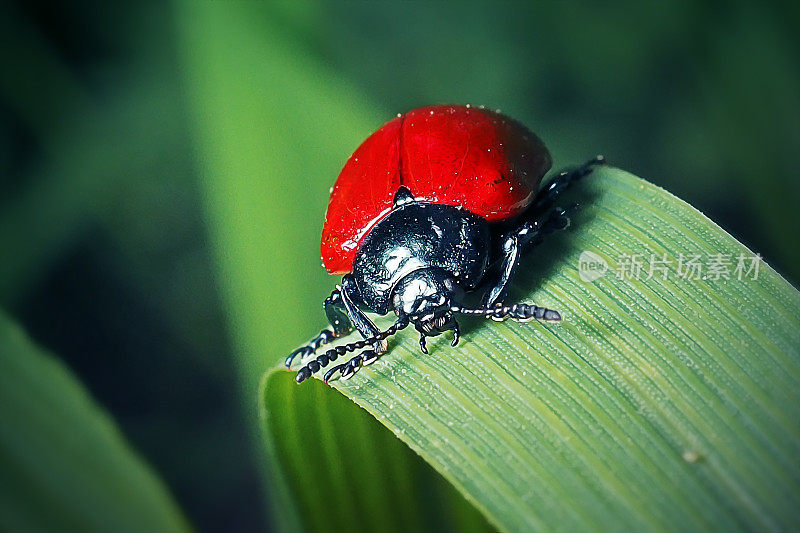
(337, 314)
(348, 369)
(366, 357)
(527, 234)
(531, 232)
(340, 326)
(345, 313)
(325, 336)
(361, 321)
(562, 182)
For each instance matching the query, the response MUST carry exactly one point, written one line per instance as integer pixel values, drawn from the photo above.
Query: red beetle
(419, 213)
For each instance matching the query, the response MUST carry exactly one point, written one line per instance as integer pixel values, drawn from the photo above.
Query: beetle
(423, 211)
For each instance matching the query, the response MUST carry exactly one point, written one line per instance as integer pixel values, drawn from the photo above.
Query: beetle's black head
(425, 296)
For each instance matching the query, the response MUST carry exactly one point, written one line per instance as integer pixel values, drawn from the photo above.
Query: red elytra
(463, 156)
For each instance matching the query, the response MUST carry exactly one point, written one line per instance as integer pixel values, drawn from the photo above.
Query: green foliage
(126, 144)
(65, 466)
(343, 471)
(666, 404)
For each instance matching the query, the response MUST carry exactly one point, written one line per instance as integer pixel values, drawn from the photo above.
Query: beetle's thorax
(418, 236)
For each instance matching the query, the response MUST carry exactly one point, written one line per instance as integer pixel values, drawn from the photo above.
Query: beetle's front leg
(348, 369)
(344, 312)
(359, 319)
(325, 336)
(340, 326)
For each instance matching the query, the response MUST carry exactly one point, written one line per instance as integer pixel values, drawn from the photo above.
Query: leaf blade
(65, 465)
(347, 472)
(645, 386)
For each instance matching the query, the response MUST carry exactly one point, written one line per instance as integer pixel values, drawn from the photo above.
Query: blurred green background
(125, 126)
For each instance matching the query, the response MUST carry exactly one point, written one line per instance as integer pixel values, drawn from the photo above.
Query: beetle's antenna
(333, 354)
(521, 312)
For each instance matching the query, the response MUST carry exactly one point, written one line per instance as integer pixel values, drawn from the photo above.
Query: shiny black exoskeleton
(419, 261)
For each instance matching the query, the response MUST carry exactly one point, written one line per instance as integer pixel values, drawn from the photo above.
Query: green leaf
(348, 472)
(64, 466)
(668, 404)
(662, 404)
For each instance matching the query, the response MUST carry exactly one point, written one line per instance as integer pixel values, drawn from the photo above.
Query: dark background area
(105, 253)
